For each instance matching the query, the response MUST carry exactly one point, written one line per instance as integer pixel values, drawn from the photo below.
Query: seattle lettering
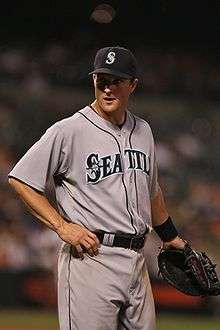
(99, 168)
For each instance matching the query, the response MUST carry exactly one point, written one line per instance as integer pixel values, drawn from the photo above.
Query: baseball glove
(189, 271)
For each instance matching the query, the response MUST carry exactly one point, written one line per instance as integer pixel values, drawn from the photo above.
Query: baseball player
(102, 160)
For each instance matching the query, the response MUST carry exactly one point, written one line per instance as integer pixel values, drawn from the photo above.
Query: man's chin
(110, 106)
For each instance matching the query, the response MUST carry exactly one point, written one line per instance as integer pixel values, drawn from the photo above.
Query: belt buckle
(108, 239)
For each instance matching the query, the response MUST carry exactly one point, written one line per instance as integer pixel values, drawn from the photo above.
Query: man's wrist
(59, 224)
(167, 230)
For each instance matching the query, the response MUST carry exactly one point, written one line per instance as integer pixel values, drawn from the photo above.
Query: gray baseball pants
(110, 291)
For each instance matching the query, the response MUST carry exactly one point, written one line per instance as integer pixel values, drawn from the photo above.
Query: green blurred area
(28, 320)
(189, 322)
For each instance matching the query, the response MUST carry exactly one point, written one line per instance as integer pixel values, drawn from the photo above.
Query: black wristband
(166, 231)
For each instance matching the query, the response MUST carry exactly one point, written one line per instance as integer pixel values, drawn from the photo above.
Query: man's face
(112, 92)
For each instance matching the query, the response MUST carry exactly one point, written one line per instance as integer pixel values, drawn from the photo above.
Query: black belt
(127, 241)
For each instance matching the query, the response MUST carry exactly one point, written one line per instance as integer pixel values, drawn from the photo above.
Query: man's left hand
(177, 243)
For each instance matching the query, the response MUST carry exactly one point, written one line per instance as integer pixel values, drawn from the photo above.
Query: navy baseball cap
(117, 61)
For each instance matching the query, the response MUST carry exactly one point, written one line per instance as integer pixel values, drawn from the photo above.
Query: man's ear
(134, 85)
(94, 76)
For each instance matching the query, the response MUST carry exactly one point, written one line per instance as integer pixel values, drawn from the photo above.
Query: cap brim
(113, 72)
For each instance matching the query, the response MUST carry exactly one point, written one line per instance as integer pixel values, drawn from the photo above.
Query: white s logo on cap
(110, 58)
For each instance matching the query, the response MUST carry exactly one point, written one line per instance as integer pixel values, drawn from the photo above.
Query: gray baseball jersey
(105, 178)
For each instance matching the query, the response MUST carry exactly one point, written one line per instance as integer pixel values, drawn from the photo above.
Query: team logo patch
(110, 58)
(99, 168)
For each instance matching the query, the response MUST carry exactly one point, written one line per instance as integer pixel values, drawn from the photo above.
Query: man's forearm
(38, 205)
(163, 224)
(158, 209)
(72, 233)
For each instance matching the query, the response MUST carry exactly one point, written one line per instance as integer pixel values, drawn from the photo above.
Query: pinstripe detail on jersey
(123, 182)
(69, 300)
(135, 174)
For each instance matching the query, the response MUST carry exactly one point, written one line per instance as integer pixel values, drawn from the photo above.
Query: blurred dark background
(46, 51)
(163, 24)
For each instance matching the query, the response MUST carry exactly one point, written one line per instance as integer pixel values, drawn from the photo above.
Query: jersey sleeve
(154, 185)
(46, 158)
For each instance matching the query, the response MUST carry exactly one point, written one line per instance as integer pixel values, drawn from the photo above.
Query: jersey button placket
(129, 180)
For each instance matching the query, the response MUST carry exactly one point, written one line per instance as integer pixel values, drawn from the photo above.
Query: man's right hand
(80, 237)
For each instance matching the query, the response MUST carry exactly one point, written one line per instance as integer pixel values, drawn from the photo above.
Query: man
(103, 163)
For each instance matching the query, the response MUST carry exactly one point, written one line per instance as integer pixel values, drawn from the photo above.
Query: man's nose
(107, 89)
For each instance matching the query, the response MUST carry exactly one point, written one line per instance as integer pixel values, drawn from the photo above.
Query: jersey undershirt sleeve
(46, 158)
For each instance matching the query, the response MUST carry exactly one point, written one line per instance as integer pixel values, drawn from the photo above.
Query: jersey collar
(105, 124)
